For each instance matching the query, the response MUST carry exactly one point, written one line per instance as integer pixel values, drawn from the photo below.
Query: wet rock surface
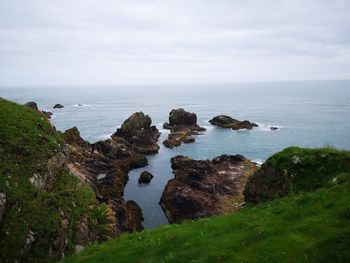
(183, 127)
(203, 188)
(138, 131)
(145, 178)
(228, 122)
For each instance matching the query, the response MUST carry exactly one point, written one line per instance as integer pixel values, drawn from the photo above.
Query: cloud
(145, 41)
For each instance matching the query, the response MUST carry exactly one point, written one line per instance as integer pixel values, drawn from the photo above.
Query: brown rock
(182, 125)
(205, 188)
(228, 122)
(145, 178)
(139, 133)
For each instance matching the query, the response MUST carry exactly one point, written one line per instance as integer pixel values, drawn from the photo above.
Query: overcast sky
(144, 41)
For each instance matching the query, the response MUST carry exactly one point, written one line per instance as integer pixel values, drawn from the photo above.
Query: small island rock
(228, 122)
(58, 106)
(182, 125)
(145, 178)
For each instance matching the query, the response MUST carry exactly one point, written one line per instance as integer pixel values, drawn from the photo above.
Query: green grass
(310, 227)
(27, 141)
(295, 170)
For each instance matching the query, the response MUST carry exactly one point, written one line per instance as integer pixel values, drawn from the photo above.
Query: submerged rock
(228, 122)
(205, 188)
(182, 125)
(139, 133)
(58, 106)
(145, 178)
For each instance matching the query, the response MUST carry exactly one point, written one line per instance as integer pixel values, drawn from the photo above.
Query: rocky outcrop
(145, 177)
(139, 133)
(228, 122)
(32, 105)
(105, 166)
(58, 106)
(183, 126)
(205, 188)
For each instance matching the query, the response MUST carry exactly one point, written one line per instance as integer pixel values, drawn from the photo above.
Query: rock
(182, 125)
(72, 136)
(112, 158)
(205, 188)
(273, 128)
(2, 204)
(47, 114)
(139, 133)
(228, 122)
(58, 106)
(145, 177)
(134, 216)
(182, 117)
(32, 105)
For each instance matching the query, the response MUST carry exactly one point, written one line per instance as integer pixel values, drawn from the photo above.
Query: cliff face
(59, 193)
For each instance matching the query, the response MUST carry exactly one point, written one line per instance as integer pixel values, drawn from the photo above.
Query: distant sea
(307, 113)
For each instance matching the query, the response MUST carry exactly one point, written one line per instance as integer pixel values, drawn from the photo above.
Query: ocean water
(308, 114)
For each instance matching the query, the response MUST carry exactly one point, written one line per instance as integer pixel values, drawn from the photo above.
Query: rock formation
(183, 126)
(105, 166)
(145, 177)
(32, 105)
(228, 122)
(58, 106)
(205, 188)
(138, 132)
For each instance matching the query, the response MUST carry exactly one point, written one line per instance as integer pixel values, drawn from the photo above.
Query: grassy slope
(27, 141)
(312, 224)
(311, 227)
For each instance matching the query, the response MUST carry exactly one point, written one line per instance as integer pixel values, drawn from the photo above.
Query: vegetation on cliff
(43, 206)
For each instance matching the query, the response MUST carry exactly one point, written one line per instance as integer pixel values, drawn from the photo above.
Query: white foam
(104, 136)
(267, 127)
(258, 161)
(81, 105)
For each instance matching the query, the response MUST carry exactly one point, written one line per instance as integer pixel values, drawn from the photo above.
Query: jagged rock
(205, 188)
(105, 166)
(228, 122)
(58, 106)
(32, 105)
(145, 177)
(139, 133)
(182, 117)
(182, 125)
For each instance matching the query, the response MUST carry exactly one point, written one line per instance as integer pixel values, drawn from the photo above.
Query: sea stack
(183, 126)
(139, 133)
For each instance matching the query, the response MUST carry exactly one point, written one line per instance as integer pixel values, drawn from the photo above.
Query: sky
(79, 42)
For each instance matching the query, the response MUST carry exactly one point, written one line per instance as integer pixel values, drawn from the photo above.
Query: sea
(307, 114)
